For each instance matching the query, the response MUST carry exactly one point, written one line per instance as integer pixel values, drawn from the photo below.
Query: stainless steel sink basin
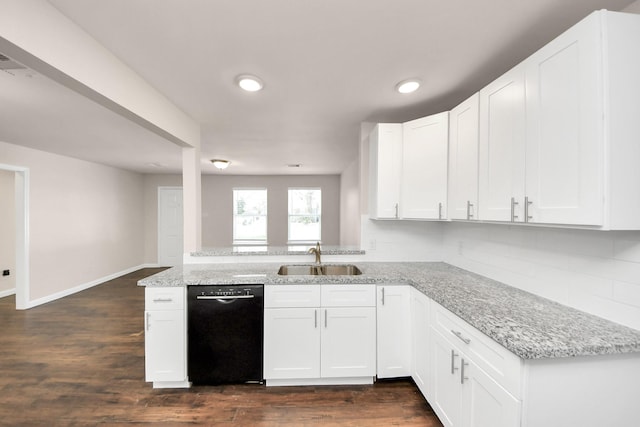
(319, 270)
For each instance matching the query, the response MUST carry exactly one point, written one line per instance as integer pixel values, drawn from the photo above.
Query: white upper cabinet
(558, 133)
(424, 167)
(463, 160)
(565, 144)
(502, 147)
(385, 163)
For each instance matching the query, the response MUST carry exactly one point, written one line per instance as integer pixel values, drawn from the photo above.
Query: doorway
(170, 226)
(21, 180)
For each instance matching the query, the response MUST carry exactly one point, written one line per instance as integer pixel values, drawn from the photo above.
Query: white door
(424, 167)
(485, 403)
(165, 357)
(348, 342)
(447, 391)
(421, 343)
(565, 144)
(463, 158)
(502, 148)
(394, 331)
(291, 343)
(170, 226)
(385, 154)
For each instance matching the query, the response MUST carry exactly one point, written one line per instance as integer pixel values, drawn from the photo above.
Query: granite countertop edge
(530, 326)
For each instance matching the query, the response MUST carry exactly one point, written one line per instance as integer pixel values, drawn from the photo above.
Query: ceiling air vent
(7, 63)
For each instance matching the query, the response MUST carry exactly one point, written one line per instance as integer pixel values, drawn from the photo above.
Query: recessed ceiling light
(220, 164)
(249, 83)
(408, 86)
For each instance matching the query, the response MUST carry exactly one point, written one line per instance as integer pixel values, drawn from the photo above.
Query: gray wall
(217, 196)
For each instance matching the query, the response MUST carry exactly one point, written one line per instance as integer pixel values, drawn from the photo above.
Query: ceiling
(328, 66)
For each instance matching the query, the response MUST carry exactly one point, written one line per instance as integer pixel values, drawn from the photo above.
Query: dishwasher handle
(230, 297)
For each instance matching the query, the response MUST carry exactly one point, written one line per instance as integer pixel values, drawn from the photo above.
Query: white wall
(350, 206)
(7, 231)
(86, 221)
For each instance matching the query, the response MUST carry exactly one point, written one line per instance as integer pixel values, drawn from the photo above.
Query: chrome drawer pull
(459, 335)
(453, 365)
(163, 300)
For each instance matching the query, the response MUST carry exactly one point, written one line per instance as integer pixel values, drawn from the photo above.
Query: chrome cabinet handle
(469, 206)
(163, 300)
(453, 365)
(396, 210)
(315, 319)
(459, 335)
(513, 209)
(440, 210)
(527, 203)
(147, 321)
(382, 296)
(325, 318)
(462, 377)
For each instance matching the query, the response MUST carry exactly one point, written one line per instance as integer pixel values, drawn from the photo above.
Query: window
(249, 216)
(305, 209)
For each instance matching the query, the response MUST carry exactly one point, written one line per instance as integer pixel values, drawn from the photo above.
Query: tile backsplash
(594, 271)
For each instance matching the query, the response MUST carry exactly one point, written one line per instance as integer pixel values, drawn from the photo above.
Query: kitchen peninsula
(471, 339)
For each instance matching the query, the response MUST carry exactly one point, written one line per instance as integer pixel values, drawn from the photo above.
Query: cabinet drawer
(348, 295)
(283, 296)
(502, 365)
(164, 298)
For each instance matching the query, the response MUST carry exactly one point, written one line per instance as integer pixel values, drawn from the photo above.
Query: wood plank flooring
(80, 361)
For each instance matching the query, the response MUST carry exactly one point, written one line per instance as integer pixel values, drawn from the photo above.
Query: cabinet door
(421, 343)
(348, 342)
(485, 403)
(447, 391)
(394, 331)
(463, 159)
(385, 162)
(291, 343)
(502, 148)
(565, 144)
(165, 345)
(424, 167)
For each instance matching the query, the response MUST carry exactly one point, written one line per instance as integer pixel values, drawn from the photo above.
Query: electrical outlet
(460, 247)
(6, 272)
(372, 244)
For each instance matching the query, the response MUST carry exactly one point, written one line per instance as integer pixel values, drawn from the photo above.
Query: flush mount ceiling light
(220, 164)
(408, 86)
(249, 83)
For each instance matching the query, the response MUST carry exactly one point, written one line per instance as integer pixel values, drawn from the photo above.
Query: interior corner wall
(633, 7)
(151, 184)
(7, 230)
(85, 221)
(217, 195)
(350, 206)
(593, 271)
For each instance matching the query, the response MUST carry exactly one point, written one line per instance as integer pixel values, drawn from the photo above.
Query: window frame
(291, 241)
(249, 242)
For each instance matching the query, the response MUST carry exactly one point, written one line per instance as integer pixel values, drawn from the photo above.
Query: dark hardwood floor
(80, 361)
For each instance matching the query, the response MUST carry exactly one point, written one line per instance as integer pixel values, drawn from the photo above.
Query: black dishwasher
(225, 334)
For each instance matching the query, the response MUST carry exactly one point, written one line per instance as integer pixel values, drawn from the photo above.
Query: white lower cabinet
(165, 337)
(330, 338)
(421, 342)
(394, 331)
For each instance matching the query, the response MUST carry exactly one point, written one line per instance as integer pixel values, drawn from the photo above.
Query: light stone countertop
(529, 326)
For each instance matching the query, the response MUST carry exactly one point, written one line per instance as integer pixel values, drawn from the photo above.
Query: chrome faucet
(316, 251)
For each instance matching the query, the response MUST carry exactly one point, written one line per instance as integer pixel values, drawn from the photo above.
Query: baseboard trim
(82, 287)
(7, 292)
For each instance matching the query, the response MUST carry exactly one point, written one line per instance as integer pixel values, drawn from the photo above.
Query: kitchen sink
(319, 270)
